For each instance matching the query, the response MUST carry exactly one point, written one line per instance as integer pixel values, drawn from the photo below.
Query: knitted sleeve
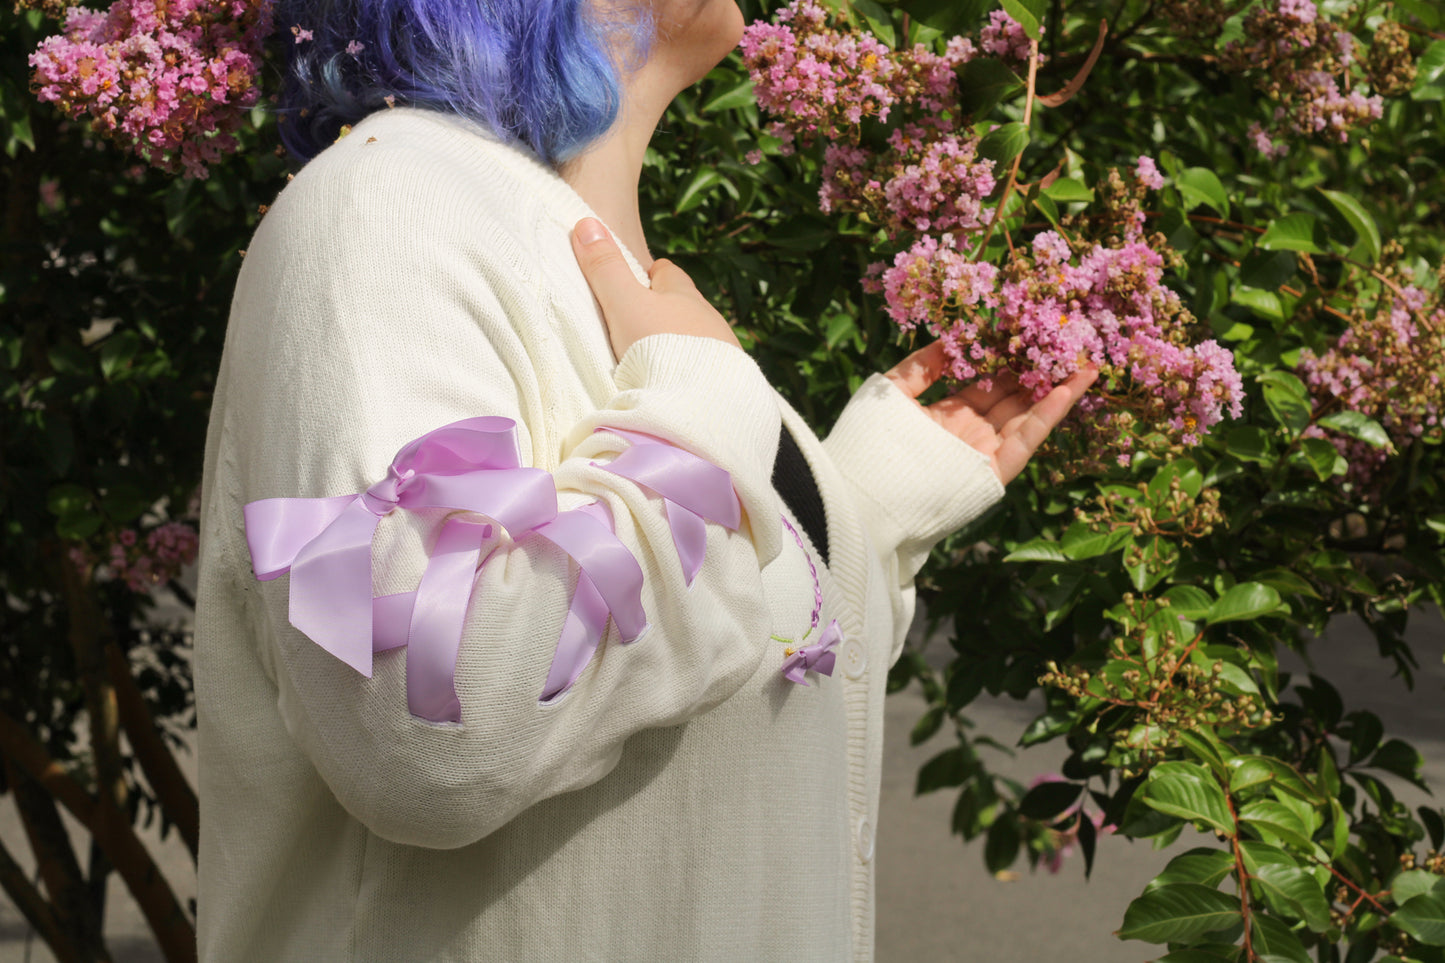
(383, 298)
(915, 482)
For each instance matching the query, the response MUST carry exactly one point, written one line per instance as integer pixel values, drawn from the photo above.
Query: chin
(702, 33)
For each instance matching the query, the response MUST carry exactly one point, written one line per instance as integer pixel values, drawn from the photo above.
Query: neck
(607, 174)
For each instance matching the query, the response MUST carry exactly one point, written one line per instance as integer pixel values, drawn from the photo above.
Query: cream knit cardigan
(683, 801)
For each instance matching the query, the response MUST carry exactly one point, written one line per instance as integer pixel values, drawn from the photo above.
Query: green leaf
(1267, 270)
(1189, 601)
(1248, 443)
(1294, 232)
(982, 83)
(1005, 142)
(1287, 399)
(950, 16)
(1193, 956)
(1205, 748)
(1048, 799)
(1423, 917)
(1354, 213)
(927, 725)
(1247, 600)
(1200, 185)
(1430, 73)
(1050, 725)
(1400, 758)
(1266, 304)
(1002, 846)
(1029, 14)
(1207, 867)
(1178, 913)
(946, 770)
(1081, 542)
(1274, 819)
(1261, 772)
(1038, 550)
(1411, 883)
(1274, 942)
(1066, 190)
(1357, 425)
(878, 19)
(1324, 458)
(730, 98)
(705, 180)
(1287, 886)
(1187, 791)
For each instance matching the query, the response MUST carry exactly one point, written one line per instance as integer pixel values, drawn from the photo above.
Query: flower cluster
(1061, 305)
(170, 80)
(1311, 67)
(822, 83)
(142, 562)
(1389, 364)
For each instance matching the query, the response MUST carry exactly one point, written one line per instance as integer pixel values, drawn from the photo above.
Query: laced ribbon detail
(473, 465)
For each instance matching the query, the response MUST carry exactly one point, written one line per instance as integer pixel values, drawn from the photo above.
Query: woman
(515, 775)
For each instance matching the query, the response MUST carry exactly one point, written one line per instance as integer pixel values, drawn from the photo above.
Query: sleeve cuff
(920, 482)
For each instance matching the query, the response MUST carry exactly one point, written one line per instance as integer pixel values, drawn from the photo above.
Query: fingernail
(590, 230)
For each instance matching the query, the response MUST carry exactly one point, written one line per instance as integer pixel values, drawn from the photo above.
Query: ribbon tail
(795, 667)
(331, 597)
(438, 620)
(608, 564)
(581, 633)
(391, 620)
(689, 537)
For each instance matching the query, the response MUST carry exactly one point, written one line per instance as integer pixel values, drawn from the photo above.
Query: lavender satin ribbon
(693, 490)
(472, 465)
(819, 657)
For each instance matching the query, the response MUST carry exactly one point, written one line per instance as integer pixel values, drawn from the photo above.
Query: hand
(632, 312)
(1005, 423)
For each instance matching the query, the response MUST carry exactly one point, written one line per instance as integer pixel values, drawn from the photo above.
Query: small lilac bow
(820, 656)
(472, 465)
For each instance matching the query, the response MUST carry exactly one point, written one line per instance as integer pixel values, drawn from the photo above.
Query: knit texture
(682, 800)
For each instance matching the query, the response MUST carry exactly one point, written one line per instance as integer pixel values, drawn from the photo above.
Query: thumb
(602, 264)
(915, 373)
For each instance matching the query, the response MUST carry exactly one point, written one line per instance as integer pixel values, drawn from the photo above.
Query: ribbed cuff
(923, 482)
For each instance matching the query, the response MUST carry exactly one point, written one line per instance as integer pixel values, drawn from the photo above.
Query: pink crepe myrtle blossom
(1388, 364)
(141, 562)
(170, 80)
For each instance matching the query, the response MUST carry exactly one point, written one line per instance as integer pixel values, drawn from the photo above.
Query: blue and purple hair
(538, 72)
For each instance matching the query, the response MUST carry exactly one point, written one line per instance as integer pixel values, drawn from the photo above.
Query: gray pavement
(935, 900)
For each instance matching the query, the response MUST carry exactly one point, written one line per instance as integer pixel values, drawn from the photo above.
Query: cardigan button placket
(866, 839)
(854, 658)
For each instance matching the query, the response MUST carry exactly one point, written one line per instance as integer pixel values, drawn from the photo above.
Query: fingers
(1022, 434)
(603, 266)
(669, 278)
(915, 373)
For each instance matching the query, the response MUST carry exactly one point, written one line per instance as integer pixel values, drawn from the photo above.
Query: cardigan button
(855, 658)
(865, 839)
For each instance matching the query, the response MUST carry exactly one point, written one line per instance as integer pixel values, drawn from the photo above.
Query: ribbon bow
(472, 465)
(820, 656)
